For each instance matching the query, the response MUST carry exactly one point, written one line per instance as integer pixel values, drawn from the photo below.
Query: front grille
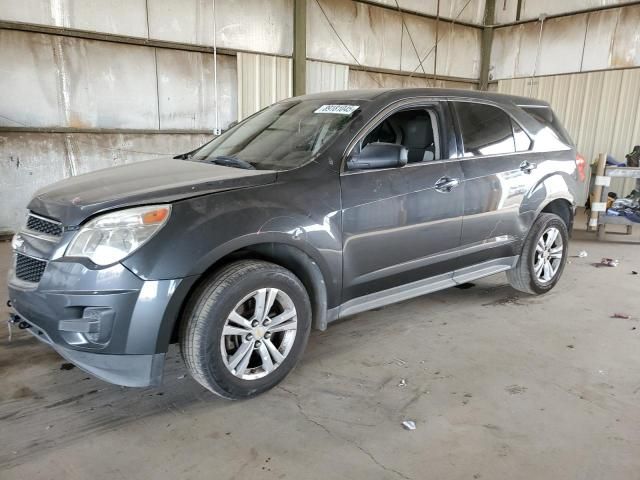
(42, 225)
(29, 269)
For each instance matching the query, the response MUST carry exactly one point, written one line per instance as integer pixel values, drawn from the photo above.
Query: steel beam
(299, 47)
(486, 42)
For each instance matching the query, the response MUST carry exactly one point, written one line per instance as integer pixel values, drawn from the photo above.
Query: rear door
(401, 225)
(498, 172)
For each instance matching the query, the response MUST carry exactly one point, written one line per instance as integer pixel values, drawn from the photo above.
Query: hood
(154, 181)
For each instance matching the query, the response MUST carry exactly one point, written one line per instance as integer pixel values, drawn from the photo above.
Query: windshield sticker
(339, 109)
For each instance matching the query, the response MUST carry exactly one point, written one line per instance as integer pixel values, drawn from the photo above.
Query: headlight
(111, 237)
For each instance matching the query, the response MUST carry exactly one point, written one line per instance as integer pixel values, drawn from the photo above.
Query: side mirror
(379, 155)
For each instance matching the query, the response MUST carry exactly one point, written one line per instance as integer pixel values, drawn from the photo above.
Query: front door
(402, 225)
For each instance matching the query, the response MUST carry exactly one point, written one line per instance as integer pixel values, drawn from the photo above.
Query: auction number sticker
(339, 109)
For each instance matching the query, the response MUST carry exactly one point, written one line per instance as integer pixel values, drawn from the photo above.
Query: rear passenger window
(523, 142)
(486, 130)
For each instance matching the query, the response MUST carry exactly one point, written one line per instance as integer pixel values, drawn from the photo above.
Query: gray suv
(313, 209)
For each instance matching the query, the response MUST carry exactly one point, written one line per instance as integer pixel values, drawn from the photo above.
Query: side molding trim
(421, 287)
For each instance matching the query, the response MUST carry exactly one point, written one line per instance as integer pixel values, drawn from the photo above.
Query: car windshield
(281, 137)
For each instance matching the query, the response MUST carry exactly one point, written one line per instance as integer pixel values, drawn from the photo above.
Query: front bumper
(126, 370)
(109, 322)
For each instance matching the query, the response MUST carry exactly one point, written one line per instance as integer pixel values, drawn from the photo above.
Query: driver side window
(414, 129)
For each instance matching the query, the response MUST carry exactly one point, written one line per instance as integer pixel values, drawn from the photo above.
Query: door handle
(526, 167)
(446, 184)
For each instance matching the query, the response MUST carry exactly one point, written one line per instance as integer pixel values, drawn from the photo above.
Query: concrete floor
(501, 386)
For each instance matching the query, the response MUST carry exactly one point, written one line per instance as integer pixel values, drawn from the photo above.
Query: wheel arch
(294, 259)
(561, 207)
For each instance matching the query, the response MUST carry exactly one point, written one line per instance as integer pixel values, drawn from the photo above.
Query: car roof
(394, 94)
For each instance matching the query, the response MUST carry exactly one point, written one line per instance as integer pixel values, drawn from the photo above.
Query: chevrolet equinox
(313, 209)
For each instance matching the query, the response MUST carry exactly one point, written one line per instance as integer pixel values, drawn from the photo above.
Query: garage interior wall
(97, 83)
(585, 63)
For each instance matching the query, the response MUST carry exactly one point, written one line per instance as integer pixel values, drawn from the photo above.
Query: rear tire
(543, 256)
(245, 328)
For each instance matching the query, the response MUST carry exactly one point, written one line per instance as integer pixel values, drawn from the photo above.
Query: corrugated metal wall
(326, 77)
(262, 80)
(364, 79)
(601, 110)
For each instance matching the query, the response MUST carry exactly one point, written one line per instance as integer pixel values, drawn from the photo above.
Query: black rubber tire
(204, 319)
(521, 277)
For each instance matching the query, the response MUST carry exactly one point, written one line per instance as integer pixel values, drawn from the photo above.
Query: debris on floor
(67, 366)
(403, 383)
(509, 300)
(409, 425)
(634, 272)
(609, 262)
(515, 389)
(621, 315)
(582, 254)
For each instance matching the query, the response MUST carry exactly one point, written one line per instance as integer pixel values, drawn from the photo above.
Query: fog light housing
(95, 326)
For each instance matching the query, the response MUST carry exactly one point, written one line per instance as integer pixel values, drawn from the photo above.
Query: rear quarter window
(549, 122)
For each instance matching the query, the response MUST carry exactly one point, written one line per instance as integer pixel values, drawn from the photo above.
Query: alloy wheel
(259, 333)
(548, 255)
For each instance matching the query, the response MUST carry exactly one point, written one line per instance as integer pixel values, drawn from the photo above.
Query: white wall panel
(34, 96)
(72, 82)
(462, 10)
(29, 161)
(184, 21)
(122, 17)
(582, 42)
(506, 11)
(561, 45)
(262, 80)
(601, 29)
(253, 25)
(376, 38)
(186, 90)
(371, 34)
(326, 77)
(459, 51)
(532, 9)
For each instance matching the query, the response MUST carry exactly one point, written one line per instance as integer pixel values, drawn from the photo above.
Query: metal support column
(487, 40)
(299, 47)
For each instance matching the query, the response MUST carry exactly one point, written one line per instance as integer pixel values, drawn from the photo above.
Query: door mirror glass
(379, 155)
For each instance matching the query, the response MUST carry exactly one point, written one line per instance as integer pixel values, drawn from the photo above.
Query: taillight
(581, 164)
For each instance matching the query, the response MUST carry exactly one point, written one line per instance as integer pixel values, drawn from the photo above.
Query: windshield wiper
(232, 162)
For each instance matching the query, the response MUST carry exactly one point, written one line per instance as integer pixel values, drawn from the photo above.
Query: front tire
(543, 257)
(245, 328)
